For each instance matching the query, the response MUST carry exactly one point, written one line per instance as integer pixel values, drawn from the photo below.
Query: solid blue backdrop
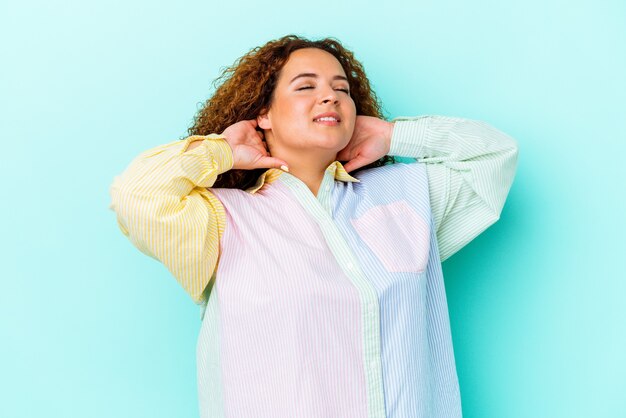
(90, 327)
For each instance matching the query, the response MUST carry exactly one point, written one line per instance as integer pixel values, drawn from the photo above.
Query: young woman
(315, 256)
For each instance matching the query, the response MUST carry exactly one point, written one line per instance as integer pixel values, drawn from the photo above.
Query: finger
(265, 147)
(343, 155)
(271, 162)
(355, 163)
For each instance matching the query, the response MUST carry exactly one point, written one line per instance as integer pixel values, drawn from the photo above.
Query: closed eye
(310, 87)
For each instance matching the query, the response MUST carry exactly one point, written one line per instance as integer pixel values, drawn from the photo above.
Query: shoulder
(399, 172)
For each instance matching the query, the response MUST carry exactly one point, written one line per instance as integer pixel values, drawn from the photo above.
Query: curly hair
(246, 88)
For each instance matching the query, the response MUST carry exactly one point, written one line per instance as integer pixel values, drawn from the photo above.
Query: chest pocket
(397, 235)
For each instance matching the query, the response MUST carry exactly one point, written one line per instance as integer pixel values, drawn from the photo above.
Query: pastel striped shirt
(330, 305)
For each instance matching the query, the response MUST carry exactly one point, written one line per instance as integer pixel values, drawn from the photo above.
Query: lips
(327, 115)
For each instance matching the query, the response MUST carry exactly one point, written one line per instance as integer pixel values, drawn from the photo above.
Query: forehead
(311, 60)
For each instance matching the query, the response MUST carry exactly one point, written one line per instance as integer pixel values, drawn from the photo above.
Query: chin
(331, 142)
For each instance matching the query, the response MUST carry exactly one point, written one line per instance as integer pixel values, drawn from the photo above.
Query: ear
(263, 121)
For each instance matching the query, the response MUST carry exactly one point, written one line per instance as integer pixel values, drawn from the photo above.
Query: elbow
(508, 164)
(498, 141)
(135, 220)
(510, 147)
(495, 217)
(120, 198)
(128, 200)
(513, 150)
(128, 207)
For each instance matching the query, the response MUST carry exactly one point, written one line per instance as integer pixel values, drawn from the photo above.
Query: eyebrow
(337, 77)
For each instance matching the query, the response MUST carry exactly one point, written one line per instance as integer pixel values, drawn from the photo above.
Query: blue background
(90, 327)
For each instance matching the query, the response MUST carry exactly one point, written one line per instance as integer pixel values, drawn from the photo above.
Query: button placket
(321, 209)
(324, 192)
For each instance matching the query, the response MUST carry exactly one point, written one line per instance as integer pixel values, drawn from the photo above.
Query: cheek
(352, 113)
(291, 119)
(282, 115)
(294, 110)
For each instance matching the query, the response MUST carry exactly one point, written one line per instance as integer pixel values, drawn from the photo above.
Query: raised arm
(164, 207)
(470, 166)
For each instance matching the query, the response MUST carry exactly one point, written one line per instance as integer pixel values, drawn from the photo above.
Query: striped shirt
(330, 305)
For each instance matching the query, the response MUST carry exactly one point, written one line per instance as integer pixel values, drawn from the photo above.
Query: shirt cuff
(213, 157)
(407, 136)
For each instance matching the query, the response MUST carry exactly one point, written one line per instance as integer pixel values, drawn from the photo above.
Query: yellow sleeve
(164, 207)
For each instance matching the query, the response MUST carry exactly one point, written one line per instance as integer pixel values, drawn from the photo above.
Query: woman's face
(310, 84)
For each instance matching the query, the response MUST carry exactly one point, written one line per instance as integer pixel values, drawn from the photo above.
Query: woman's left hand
(370, 141)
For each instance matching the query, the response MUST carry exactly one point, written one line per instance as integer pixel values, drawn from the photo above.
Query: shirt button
(350, 266)
(372, 365)
(327, 188)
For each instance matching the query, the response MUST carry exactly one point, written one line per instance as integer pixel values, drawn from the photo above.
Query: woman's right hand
(249, 149)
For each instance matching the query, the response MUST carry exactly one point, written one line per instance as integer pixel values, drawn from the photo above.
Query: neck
(308, 166)
(312, 177)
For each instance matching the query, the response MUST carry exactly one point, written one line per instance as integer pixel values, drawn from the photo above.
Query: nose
(329, 95)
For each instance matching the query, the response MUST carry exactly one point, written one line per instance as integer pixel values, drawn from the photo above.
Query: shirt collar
(335, 169)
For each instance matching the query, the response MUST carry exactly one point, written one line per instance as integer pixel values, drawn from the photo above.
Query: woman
(315, 256)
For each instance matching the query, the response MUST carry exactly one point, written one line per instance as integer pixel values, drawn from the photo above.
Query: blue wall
(90, 327)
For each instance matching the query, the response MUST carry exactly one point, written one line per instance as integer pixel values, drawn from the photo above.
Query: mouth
(328, 119)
